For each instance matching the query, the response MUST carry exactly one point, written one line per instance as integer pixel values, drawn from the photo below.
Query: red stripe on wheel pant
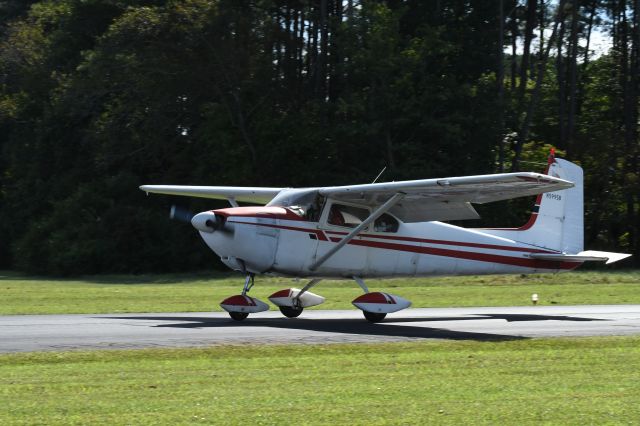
(375, 297)
(238, 300)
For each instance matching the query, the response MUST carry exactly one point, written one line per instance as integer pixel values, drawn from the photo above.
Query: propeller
(181, 214)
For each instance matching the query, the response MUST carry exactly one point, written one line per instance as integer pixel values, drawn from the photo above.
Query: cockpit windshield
(306, 203)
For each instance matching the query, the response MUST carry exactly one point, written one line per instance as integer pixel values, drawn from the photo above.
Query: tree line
(100, 96)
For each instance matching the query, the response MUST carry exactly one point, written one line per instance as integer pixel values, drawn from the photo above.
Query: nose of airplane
(205, 222)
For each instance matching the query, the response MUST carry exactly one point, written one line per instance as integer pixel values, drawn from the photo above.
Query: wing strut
(373, 216)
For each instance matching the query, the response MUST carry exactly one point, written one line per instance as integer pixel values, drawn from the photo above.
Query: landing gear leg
(248, 283)
(361, 283)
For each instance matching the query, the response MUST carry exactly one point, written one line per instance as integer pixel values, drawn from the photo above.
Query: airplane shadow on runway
(362, 327)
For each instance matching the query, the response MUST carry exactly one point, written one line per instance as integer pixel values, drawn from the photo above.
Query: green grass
(546, 381)
(197, 293)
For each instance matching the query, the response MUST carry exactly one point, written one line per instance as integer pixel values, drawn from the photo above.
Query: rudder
(557, 219)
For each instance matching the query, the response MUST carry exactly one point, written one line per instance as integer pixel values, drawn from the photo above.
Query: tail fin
(557, 219)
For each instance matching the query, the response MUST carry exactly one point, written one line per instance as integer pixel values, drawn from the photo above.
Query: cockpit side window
(386, 223)
(346, 216)
(314, 208)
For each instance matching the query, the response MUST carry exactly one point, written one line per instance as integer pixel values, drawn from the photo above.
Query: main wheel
(374, 316)
(238, 316)
(290, 312)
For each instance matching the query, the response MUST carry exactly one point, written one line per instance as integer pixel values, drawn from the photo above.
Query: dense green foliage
(100, 96)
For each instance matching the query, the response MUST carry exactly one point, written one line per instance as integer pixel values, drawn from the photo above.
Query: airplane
(393, 229)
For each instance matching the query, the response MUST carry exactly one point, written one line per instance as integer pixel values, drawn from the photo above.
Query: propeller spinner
(205, 221)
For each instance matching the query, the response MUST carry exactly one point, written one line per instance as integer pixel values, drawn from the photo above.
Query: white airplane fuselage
(390, 230)
(275, 240)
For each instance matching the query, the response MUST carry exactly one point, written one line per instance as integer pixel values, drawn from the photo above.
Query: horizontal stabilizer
(583, 256)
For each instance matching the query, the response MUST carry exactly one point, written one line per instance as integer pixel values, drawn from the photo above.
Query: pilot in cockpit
(314, 208)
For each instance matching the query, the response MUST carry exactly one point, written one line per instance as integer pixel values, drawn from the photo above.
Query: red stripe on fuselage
(448, 243)
(321, 236)
(468, 255)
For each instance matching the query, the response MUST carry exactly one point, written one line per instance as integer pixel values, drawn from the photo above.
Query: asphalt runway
(25, 333)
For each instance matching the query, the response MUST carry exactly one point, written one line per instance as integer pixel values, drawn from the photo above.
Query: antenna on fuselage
(379, 174)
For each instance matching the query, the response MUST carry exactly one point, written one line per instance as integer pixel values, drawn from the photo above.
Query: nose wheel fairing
(243, 304)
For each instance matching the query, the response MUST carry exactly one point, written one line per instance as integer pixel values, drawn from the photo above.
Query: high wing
(423, 200)
(447, 198)
(243, 194)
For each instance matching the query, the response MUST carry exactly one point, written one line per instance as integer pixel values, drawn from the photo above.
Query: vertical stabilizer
(557, 219)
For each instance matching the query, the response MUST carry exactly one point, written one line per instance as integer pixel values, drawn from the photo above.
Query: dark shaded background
(100, 96)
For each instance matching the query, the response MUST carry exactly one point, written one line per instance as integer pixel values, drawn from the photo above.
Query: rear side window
(346, 216)
(386, 223)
